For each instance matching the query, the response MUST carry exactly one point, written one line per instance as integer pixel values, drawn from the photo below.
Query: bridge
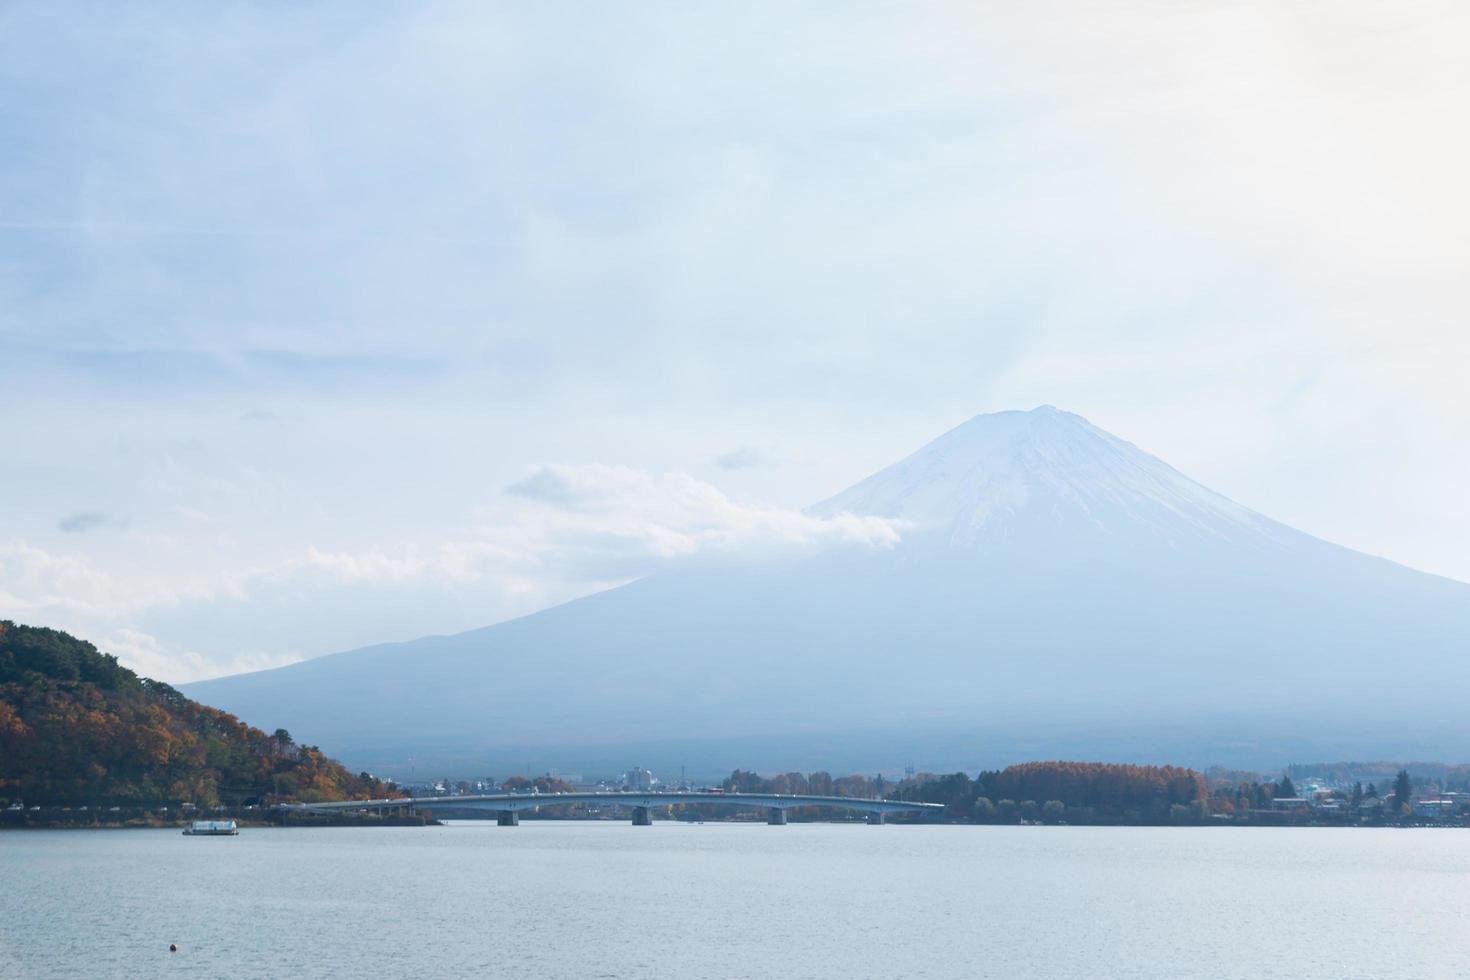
(508, 806)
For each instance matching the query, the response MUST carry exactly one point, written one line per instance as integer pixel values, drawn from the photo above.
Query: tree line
(1065, 792)
(1239, 798)
(77, 727)
(1041, 792)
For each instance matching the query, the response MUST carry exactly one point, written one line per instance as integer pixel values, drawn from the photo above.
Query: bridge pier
(507, 818)
(876, 817)
(776, 816)
(642, 816)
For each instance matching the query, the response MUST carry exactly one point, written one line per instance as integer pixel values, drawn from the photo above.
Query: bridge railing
(509, 805)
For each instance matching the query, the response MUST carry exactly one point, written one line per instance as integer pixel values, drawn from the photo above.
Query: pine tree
(1402, 790)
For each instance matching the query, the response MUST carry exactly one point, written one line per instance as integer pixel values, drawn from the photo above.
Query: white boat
(212, 828)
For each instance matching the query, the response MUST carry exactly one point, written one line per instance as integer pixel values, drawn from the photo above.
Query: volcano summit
(1055, 591)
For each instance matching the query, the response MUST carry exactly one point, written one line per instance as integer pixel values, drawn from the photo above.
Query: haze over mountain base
(1056, 592)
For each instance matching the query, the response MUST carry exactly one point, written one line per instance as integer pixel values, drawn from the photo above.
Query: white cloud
(34, 581)
(620, 512)
(560, 532)
(150, 657)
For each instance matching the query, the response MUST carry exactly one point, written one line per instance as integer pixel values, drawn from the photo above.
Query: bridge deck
(515, 802)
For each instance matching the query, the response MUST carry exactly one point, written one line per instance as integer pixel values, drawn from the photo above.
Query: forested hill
(78, 727)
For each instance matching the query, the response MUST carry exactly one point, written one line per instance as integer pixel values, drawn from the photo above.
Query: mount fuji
(1055, 591)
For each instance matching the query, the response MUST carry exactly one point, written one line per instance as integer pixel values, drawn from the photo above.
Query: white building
(639, 778)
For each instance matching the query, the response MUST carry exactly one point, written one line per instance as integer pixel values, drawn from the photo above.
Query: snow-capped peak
(1043, 470)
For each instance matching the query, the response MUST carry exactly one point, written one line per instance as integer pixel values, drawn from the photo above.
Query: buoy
(172, 948)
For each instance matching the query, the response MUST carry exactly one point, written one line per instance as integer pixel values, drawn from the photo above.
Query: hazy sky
(324, 324)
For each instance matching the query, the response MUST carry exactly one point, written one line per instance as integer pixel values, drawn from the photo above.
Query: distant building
(1436, 808)
(639, 778)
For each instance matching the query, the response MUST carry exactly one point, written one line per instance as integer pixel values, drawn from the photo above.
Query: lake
(721, 900)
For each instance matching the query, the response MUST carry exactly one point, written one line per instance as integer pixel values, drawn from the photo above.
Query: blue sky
(290, 294)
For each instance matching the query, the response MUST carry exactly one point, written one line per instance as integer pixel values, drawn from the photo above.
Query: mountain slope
(76, 727)
(1056, 591)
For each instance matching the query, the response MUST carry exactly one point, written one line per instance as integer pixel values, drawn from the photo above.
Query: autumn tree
(76, 727)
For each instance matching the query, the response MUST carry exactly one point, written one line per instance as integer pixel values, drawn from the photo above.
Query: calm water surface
(550, 899)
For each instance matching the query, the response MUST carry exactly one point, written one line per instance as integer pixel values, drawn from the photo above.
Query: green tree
(1053, 811)
(1403, 790)
(1285, 788)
